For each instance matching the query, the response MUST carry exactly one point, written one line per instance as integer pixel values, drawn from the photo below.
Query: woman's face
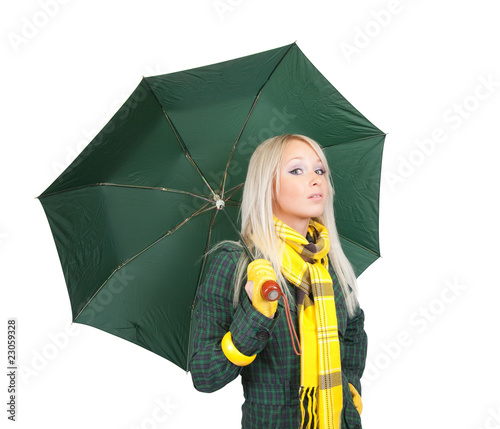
(302, 186)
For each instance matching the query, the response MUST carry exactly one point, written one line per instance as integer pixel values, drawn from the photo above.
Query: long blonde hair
(257, 225)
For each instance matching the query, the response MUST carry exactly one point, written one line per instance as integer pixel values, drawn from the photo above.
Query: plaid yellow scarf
(321, 379)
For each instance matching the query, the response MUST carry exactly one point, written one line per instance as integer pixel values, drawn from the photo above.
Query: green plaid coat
(271, 382)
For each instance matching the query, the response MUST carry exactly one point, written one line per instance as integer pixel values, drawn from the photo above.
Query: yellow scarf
(321, 379)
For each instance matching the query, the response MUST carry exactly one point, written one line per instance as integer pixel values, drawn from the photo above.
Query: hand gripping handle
(266, 291)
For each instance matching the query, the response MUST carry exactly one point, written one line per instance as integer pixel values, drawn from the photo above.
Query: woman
(288, 220)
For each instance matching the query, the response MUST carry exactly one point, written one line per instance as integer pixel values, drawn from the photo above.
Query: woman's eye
(296, 171)
(320, 171)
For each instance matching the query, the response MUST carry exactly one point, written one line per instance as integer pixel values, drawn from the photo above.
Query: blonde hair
(257, 225)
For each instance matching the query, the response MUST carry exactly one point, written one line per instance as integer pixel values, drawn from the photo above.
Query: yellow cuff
(356, 398)
(233, 354)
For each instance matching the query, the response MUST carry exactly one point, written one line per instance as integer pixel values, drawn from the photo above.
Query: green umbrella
(134, 214)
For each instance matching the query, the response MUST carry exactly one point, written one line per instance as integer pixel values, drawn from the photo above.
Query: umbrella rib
(232, 203)
(200, 276)
(187, 154)
(155, 188)
(355, 140)
(221, 188)
(181, 143)
(232, 191)
(175, 228)
(229, 159)
(360, 245)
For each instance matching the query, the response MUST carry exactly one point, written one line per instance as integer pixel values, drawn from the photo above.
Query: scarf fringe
(308, 407)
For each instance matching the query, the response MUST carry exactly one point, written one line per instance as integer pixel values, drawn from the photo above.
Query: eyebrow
(302, 158)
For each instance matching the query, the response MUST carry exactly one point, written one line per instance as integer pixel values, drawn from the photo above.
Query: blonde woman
(288, 224)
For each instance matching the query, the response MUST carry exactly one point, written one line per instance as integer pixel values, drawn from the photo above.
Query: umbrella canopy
(134, 214)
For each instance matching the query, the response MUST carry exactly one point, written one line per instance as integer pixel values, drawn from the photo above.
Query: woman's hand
(249, 289)
(259, 272)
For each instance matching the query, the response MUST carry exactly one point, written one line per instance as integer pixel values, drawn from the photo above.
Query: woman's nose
(315, 178)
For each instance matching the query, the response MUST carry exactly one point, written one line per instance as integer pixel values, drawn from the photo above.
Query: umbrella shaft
(239, 234)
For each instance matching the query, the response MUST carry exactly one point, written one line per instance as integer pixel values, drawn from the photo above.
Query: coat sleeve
(214, 316)
(355, 349)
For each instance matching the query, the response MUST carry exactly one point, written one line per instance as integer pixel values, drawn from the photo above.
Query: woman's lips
(315, 197)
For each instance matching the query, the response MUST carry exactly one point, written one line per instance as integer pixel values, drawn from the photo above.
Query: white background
(431, 301)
